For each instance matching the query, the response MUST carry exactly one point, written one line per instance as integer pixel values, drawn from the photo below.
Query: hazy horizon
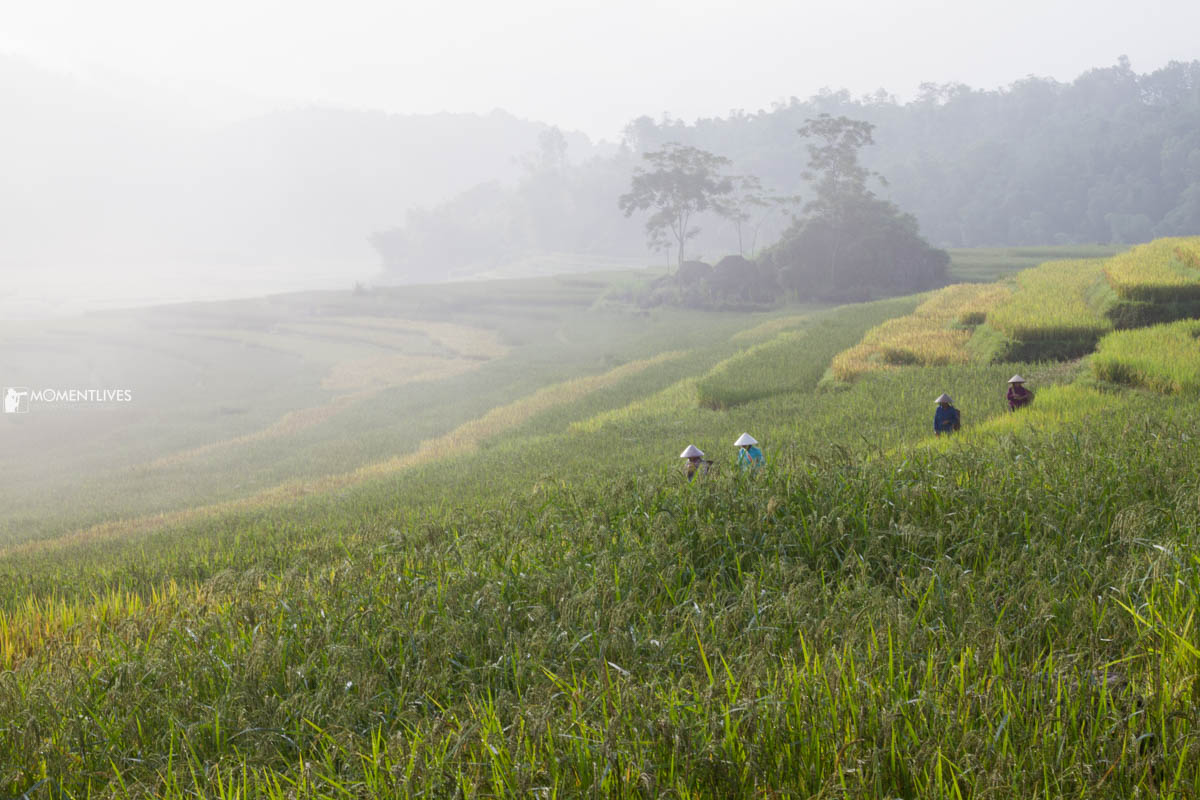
(185, 127)
(590, 68)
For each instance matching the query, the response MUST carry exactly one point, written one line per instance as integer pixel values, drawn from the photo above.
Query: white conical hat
(1016, 379)
(944, 398)
(692, 452)
(745, 439)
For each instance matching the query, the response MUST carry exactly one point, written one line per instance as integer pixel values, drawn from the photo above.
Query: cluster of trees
(1113, 156)
(847, 245)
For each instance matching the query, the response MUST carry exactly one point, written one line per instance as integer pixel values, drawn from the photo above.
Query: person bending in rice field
(696, 465)
(946, 419)
(1018, 395)
(749, 457)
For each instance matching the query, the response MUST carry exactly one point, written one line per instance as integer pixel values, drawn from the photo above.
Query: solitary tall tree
(833, 158)
(680, 182)
(851, 244)
(841, 182)
(748, 207)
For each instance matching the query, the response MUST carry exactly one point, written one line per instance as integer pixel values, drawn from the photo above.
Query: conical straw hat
(692, 452)
(1016, 379)
(745, 439)
(944, 398)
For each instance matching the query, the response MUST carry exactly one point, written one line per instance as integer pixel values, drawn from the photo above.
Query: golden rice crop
(1165, 358)
(935, 334)
(1052, 302)
(467, 341)
(1162, 271)
(33, 624)
(1188, 252)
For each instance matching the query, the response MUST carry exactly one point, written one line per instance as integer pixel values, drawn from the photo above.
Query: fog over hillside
(129, 196)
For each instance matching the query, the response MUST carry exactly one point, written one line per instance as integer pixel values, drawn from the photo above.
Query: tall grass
(991, 618)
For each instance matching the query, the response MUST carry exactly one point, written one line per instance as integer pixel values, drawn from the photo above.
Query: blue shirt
(945, 419)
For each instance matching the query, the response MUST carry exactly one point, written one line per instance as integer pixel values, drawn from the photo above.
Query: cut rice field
(527, 599)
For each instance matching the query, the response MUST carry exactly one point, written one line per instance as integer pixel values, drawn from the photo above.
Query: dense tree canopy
(1113, 156)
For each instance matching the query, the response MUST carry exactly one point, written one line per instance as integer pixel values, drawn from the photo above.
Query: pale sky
(590, 66)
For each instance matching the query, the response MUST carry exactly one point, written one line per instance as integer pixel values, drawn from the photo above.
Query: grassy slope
(203, 397)
(556, 611)
(986, 264)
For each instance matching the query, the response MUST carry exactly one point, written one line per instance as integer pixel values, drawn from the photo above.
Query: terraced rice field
(525, 598)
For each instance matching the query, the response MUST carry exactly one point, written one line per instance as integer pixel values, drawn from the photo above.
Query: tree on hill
(748, 206)
(682, 181)
(851, 244)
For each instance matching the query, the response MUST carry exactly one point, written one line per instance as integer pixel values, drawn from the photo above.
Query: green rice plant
(793, 361)
(987, 264)
(551, 610)
(1054, 408)
(1164, 358)
(761, 371)
(991, 617)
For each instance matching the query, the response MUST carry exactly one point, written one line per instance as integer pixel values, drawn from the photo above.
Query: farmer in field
(750, 457)
(1018, 395)
(946, 419)
(695, 462)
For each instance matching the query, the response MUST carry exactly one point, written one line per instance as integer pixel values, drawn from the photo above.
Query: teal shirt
(750, 457)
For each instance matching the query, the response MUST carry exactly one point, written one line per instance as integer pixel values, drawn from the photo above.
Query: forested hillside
(1113, 156)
